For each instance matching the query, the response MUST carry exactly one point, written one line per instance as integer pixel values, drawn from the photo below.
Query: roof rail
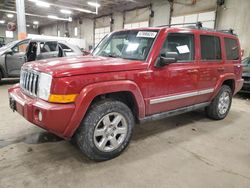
(230, 31)
(197, 24)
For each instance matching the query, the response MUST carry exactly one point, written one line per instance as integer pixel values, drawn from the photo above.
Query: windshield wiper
(111, 55)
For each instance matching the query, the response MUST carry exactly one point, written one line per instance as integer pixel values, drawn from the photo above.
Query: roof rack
(230, 31)
(198, 25)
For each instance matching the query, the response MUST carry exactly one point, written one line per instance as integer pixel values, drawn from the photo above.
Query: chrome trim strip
(181, 96)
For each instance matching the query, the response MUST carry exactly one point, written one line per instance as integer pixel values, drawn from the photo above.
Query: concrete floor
(184, 151)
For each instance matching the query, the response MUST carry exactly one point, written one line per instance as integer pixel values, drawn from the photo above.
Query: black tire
(212, 111)
(85, 138)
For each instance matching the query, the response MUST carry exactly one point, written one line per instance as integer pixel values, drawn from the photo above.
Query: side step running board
(173, 112)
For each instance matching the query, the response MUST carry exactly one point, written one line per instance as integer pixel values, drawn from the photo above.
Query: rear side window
(232, 49)
(210, 47)
(182, 44)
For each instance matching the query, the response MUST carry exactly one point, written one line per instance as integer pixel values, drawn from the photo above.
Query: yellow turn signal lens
(62, 98)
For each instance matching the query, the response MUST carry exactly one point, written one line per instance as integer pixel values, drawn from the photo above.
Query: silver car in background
(16, 53)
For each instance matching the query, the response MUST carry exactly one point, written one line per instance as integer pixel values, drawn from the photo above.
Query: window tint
(48, 47)
(232, 49)
(210, 48)
(183, 44)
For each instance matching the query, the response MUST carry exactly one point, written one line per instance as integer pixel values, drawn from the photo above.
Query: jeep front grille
(29, 81)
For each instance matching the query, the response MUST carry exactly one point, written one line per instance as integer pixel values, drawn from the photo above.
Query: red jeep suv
(132, 76)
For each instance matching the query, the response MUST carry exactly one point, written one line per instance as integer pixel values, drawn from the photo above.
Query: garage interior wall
(184, 7)
(85, 30)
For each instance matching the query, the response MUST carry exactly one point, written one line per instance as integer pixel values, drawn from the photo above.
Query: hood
(79, 65)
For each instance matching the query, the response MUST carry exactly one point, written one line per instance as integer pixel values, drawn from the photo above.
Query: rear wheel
(106, 130)
(221, 104)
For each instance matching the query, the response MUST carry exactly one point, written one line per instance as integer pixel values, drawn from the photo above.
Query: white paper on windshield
(146, 34)
(132, 47)
(183, 49)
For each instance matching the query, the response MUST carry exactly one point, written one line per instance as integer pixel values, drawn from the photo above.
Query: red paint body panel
(93, 76)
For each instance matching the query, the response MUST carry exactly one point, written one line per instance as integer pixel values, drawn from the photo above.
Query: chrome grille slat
(34, 85)
(29, 81)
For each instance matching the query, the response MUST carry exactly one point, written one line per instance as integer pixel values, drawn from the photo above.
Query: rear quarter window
(232, 49)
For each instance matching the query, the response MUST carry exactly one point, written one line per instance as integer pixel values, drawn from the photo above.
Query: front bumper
(49, 116)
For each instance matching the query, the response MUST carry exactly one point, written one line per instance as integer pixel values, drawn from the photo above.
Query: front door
(16, 59)
(177, 82)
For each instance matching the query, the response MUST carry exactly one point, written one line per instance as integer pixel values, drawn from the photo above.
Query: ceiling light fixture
(94, 4)
(41, 3)
(10, 15)
(35, 22)
(28, 25)
(2, 21)
(64, 11)
(53, 17)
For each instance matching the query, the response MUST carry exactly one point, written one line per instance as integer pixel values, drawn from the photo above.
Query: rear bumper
(53, 117)
(238, 85)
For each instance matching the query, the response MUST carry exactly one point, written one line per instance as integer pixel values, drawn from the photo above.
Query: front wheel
(221, 104)
(106, 130)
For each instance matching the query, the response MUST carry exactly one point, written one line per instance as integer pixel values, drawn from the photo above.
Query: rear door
(211, 65)
(48, 50)
(175, 84)
(15, 60)
(232, 56)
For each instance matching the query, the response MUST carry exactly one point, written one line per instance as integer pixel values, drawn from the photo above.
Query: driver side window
(182, 44)
(20, 47)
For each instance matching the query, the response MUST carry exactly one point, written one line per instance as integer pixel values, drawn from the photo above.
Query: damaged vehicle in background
(16, 53)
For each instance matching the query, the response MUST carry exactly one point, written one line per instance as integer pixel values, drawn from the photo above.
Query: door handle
(192, 71)
(221, 69)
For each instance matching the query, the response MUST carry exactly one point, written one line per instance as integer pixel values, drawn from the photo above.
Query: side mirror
(167, 58)
(9, 52)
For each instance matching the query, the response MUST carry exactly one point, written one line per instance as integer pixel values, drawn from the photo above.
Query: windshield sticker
(146, 34)
(183, 49)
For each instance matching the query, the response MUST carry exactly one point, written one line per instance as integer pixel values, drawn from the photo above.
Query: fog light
(40, 116)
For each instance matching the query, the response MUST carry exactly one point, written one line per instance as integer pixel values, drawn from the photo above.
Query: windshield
(9, 45)
(246, 62)
(127, 44)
